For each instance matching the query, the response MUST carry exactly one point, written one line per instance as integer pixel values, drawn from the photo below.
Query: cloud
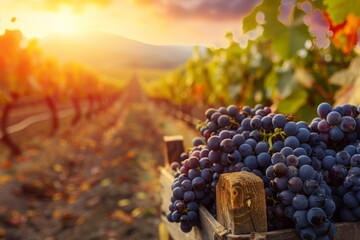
(77, 5)
(219, 10)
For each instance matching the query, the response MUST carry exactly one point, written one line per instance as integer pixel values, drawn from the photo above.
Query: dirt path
(96, 181)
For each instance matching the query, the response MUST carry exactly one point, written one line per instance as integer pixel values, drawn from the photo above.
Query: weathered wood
(240, 202)
(209, 227)
(174, 146)
(176, 233)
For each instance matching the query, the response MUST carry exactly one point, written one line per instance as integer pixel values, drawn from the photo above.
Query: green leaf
(289, 40)
(294, 102)
(269, 8)
(287, 83)
(270, 84)
(339, 9)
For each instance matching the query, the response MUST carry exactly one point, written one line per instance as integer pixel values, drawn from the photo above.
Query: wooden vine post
(240, 203)
(174, 146)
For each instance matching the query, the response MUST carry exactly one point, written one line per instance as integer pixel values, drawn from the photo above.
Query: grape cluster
(305, 171)
(338, 126)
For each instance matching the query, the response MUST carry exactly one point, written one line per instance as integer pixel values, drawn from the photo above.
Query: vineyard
(84, 154)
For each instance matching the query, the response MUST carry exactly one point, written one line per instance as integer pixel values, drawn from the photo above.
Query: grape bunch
(338, 126)
(305, 173)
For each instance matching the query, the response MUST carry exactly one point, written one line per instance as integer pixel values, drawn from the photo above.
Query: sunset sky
(151, 21)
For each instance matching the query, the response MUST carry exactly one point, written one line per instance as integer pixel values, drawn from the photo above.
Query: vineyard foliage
(26, 72)
(299, 53)
(28, 77)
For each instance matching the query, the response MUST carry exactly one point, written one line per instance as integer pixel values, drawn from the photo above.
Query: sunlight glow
(63, 22)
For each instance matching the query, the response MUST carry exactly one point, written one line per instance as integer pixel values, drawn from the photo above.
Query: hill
(108, 51)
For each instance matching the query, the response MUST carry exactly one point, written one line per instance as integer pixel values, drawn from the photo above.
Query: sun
(63, 21)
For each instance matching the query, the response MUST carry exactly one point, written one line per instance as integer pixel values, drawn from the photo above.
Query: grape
(317, 200)
(286, 151)
(306, 172)
(324, 109)
(214, 143)
(264, 159)
(300, 151)
(290, 128)
(198, 183)
(193, 206)
(333, 118)
(227, 145)
(346, 215)
(194, 162)
(336, 134)
(347, 124)
(323, 126)
(292, 142)
(255, 123)
(328, 161)
(225, 134)
(279, 121)
(232, 110)
(245, 149)
(355, 160)
(350, 200)
(223, 120)
(280, 169)
(303, 135)
(316, 216)
(339, 109)
(304, 160)
(295, 184)
(300, 218)
(238, 139)
(250, 162)
(278, 158)
(300, 202)
(279, 184)
(261, 147)
(189, 196)
(197, 141)
(310, 186)
(266, 123)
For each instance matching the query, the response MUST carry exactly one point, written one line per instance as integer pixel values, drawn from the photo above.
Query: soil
(95, 180)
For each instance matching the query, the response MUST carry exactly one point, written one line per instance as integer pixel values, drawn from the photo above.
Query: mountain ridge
(102, 50)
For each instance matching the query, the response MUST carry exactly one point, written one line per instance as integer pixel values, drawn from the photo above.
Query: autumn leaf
(5, 179)
(2, 232)
(345, 34)
(16, 219)
(6, 164)
(122, 216)
(123, 202)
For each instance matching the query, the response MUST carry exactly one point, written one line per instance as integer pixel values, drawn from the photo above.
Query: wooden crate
(241, 208)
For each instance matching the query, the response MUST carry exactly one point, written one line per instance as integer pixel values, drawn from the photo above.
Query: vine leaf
(339, 9)
(349, 82)
(287, 39)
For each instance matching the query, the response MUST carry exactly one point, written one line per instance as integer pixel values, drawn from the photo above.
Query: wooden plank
(240, 203)
(175, 231)
(174, 146)
(166, 180)
(209, 227)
